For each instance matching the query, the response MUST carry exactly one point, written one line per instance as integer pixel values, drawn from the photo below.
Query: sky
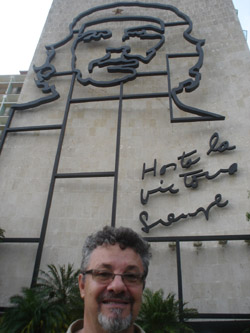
(22, 22)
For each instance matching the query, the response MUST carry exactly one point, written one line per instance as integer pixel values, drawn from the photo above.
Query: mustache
(121, 62)
(106, 296)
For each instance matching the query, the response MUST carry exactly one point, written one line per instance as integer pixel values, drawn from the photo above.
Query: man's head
(93, 63)
(120, 56)
(143, 25)
(113, 271)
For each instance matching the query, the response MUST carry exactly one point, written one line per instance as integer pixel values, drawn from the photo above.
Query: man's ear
(81, 283)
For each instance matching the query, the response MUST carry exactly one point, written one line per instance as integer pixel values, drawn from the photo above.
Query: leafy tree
(2, 234)
(247, 213)
(161, 315)
(33, 313)
(62, 287)
(49, 307)
(247, 330)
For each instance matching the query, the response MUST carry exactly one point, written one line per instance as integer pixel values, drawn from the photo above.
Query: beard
(116, 324)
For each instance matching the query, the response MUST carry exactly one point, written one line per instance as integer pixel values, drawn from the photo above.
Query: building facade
(10, 89)
(138, 117)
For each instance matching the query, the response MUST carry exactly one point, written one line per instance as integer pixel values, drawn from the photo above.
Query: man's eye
(104, 275)
(131, 277)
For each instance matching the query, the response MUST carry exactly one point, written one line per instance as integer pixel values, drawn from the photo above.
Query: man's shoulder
(138, 329)
(75, 326)
(78, 325)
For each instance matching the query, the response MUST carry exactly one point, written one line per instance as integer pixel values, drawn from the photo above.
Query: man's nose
(117, 285)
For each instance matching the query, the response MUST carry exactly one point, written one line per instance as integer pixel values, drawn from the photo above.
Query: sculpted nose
(120, 49)
(117, 285)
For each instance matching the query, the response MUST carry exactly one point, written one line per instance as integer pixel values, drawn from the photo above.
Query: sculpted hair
(125, 237)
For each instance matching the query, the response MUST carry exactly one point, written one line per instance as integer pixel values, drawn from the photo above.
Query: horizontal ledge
(117, 97)
(33, 128)
(4, 308)
(85, 174)
(19, 240)
(198, 118)
(63, 73)
(182, 55)
(222, 316)
(196, 238)
(152, 73)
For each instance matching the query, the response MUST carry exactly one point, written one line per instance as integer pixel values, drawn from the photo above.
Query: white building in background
(10, 89)
(139, 117)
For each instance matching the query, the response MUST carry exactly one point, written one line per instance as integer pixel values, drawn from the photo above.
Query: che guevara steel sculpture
(121, 61)
(121, 67)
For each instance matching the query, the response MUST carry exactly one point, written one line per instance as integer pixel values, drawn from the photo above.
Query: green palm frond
(248, 216)
(161, 315)
(61, 286)
(2, 234)
(47, 308)
(32, 313)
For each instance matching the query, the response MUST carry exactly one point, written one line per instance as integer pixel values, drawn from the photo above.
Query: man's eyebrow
(110, 267)
(107, 266)
(132, 267)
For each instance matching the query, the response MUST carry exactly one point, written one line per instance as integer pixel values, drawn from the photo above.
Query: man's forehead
(116, 249)
(113, 254)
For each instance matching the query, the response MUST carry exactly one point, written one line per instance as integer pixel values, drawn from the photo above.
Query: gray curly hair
(125, 237)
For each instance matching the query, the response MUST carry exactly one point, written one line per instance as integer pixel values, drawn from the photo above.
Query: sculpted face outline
(126, 65)
(119, 59)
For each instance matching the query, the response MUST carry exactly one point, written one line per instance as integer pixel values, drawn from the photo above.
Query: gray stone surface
(215, 278)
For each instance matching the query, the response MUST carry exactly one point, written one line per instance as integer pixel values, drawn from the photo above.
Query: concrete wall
(215, 278)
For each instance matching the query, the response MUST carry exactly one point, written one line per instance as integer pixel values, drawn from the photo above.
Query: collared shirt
(78, 325)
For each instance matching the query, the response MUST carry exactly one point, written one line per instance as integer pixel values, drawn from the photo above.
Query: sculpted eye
(143, 32)
(95, 35)
(132, 33)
